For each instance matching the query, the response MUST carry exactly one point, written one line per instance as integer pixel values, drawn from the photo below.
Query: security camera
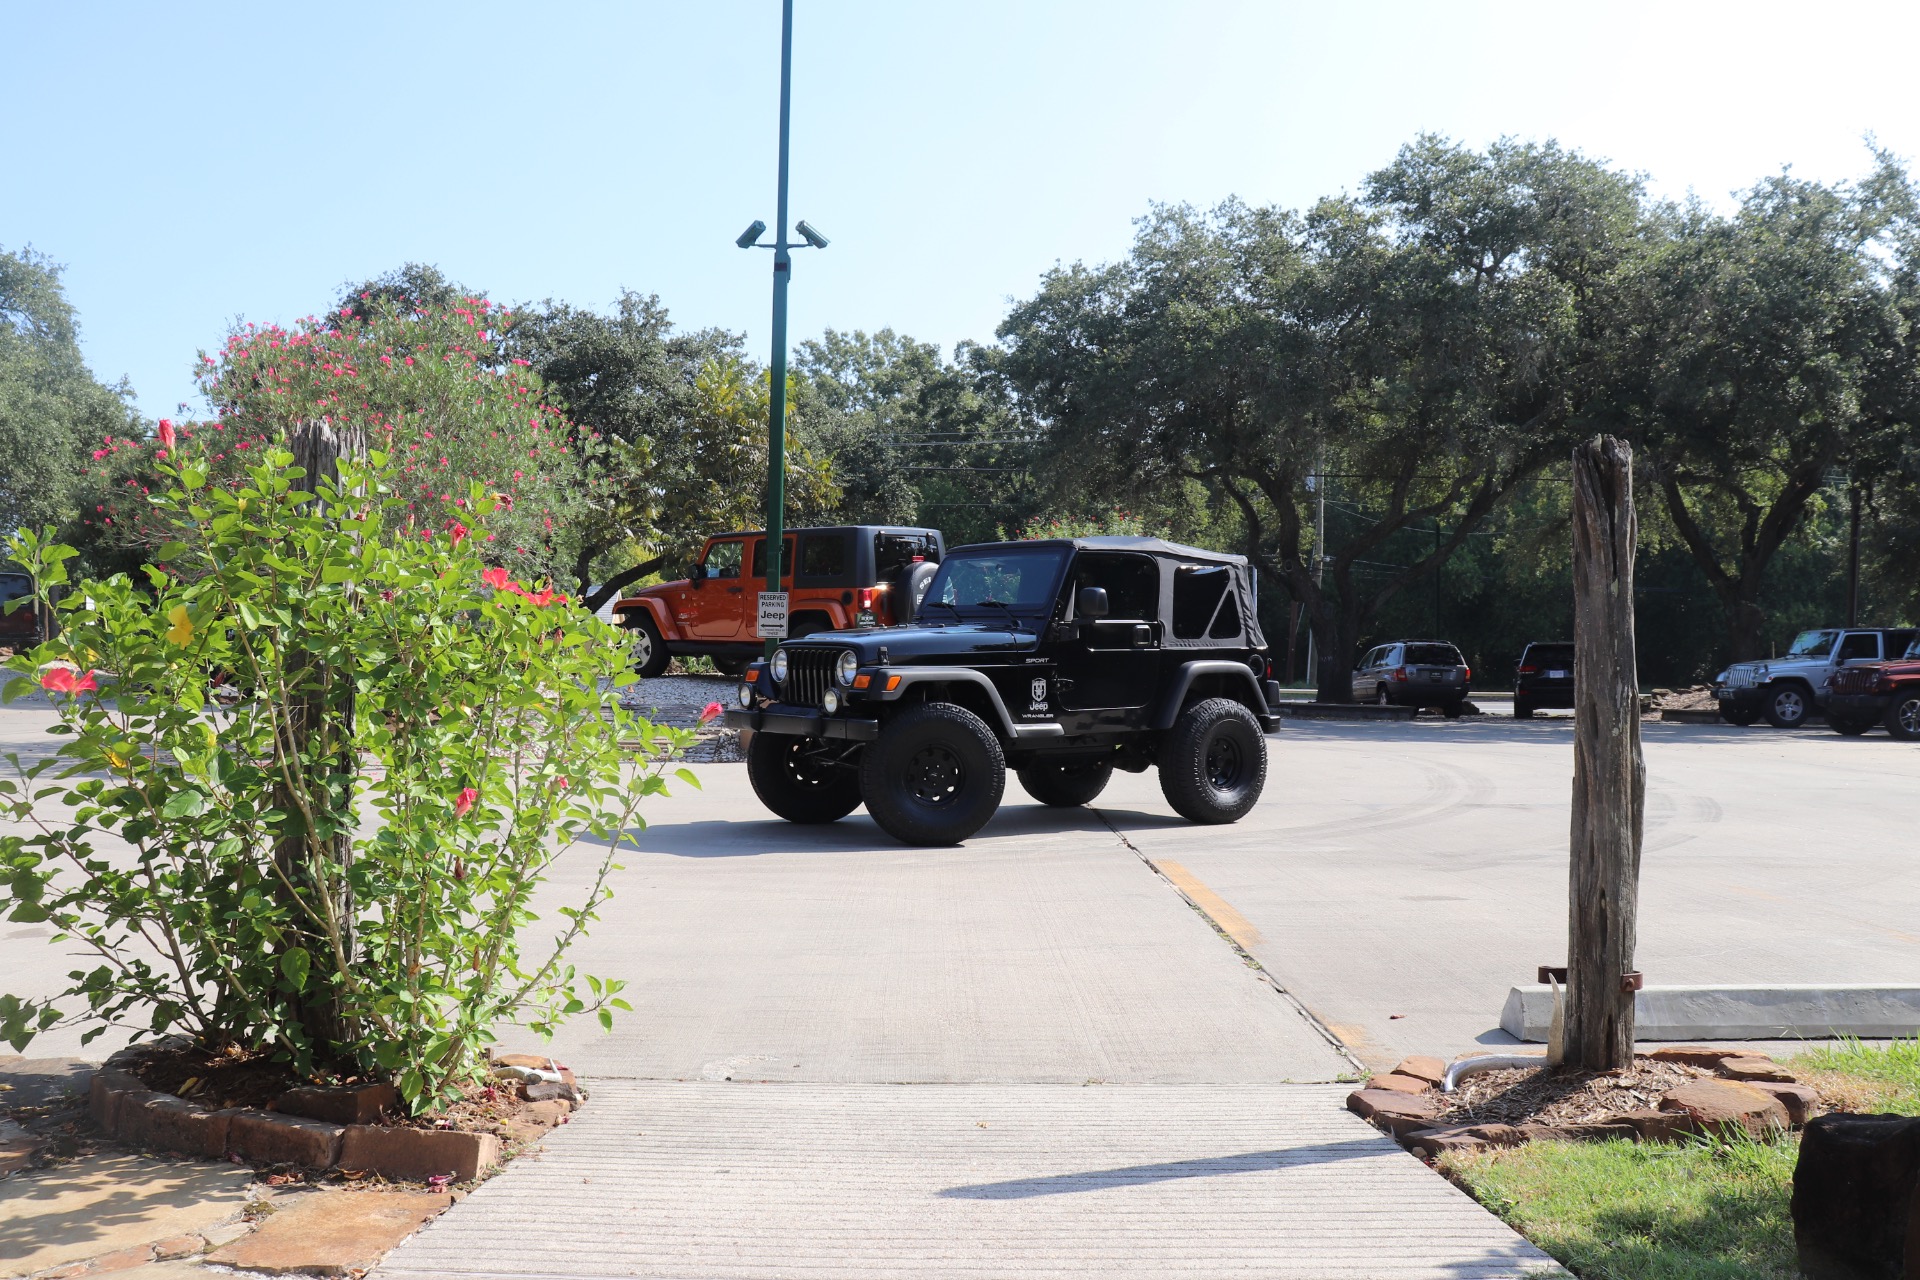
(751, 234)
(811, 236)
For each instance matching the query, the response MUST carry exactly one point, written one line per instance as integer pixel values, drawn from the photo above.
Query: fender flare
(911, 676)
(1167, 709)
(656, 609)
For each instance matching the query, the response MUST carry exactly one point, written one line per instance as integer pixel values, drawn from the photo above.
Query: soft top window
(1132, 582)
(1433, 655)
(1199, 594)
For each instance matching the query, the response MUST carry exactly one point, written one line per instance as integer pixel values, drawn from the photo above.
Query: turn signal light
(753, 675)
(893, 682)
(862, 680)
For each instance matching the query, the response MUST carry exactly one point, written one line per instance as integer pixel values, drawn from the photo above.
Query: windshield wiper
(944, 604)
(1001, 604)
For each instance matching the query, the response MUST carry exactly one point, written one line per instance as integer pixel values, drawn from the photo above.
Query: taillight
(1400, 673)
(1527, 671)
(1466, 673)
(867, 595)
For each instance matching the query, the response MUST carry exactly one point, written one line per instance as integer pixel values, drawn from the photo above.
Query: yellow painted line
(1236, 926)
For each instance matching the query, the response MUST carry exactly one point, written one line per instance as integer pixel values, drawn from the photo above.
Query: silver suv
(1788, 689)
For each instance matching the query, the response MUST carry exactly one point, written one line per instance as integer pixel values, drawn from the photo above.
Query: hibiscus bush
(316, 767)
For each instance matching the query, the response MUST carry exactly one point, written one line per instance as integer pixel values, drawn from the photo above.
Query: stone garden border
(1752, 1092)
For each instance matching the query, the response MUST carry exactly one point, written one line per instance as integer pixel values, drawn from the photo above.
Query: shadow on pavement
(1210, 1167)
(752, 834)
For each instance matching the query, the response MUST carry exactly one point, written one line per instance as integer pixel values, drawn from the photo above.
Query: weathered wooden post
(319, 715)
(1609, 775)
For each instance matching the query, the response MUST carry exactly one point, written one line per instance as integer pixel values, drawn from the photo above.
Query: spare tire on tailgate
(910, 588)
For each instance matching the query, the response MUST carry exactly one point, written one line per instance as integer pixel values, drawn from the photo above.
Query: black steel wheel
(1787, 706)
(1213, 762)
(1848, 726)
(1066, 784)
(934, 776)
(800, 780)
(1903, 717)
(650, 656)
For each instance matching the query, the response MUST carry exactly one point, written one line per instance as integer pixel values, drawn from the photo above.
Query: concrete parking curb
(1788, 1011)
(1342, 711)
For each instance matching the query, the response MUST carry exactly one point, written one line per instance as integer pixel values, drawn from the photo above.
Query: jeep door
(1111, 662)
(714, 606)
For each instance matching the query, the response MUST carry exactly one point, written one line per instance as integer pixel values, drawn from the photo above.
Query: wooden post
(320, 717)
(1609, 775)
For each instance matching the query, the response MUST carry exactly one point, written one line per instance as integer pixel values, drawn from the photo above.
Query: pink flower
(99, 454)
(63, 680)
(495, 578)
(467, 796)
(543, 599)
(710, 712)
(459, 532)
(166, 432)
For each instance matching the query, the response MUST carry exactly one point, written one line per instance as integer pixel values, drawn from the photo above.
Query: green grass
(1702, 1210)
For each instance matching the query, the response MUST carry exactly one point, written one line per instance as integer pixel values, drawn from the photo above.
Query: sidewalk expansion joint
(1247, 958)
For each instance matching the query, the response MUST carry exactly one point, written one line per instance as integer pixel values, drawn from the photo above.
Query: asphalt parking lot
(1396, 880)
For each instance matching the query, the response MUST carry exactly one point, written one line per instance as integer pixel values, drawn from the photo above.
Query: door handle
(733, 591)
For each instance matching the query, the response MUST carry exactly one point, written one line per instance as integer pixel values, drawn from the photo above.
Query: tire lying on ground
(1213, 762)
(934, 776)
(1067, 784)
(794, 778)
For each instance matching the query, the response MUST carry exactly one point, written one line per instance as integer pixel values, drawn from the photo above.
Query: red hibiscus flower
(710, 712)
(495, 578)
(66, 680)
(166, 432)
(467, 796)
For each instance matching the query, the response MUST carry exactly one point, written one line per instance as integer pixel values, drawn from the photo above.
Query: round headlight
(848, 667)
(746, 695)
(830, 701)
(780, 665)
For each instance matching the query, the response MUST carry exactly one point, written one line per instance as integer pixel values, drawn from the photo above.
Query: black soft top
(1117, 542)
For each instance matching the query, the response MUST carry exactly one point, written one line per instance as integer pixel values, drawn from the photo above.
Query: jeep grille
(809, 673)
(1854, 679)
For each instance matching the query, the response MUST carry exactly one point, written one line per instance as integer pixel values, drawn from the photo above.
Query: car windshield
(1913, 650)
(1812, 644)
(1558, 655)
(1017, 578)
(14, 585)
(1433, 655)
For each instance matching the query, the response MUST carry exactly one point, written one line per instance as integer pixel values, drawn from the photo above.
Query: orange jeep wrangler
(836, 578)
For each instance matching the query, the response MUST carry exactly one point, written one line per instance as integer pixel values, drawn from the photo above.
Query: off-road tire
(1522, 710)
(1850, 727)
(1787, 706)
(650, 656)
(792, 781)
(1740, 716)
(1903, 716)
(1213, 762)
(733, 668)
(1068, 784)
(1453, 710)
(934, 776)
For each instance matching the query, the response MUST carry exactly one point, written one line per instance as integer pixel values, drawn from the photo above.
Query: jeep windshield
(1008, 583)
(1812, 644)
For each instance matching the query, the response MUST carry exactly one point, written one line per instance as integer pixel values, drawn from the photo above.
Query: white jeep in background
(1788, 689)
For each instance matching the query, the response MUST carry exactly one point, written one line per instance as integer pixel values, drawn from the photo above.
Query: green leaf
(294, 964)
(184, 804)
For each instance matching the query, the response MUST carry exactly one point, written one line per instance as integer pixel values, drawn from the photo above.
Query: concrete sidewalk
(701, 1181)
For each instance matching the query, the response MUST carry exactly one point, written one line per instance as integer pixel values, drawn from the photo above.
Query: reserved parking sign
(773, 615)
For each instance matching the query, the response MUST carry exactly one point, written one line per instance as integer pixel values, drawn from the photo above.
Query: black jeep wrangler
(1061, 659)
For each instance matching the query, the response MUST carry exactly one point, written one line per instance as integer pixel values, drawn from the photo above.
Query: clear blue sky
(196, 163)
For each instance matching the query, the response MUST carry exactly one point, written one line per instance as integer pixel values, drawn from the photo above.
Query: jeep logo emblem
(1040, 690)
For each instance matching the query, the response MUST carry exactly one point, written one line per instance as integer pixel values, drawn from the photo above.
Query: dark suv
(1413, 673)
(1543, 677)
(1060, 659)
(21, 626)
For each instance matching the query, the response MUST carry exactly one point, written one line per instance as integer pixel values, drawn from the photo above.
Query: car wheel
(1849, 727)
(1786, 706)
(731, 667)
(1380, 698)
(1903, 717)
(1452, 710)
(1213, 762)
(1522, 710)
(1741, 716)
(1066, 784)
(795, 778)
(934, 776)
(650, 656)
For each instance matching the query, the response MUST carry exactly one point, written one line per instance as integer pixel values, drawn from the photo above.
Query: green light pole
(782, 275)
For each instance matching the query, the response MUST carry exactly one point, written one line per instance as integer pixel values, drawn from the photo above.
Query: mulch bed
(1563, 1095)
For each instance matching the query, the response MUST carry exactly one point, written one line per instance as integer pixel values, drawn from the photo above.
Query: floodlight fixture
(751, 235)
(811, 236)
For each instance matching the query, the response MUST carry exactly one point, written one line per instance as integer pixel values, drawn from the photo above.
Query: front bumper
(1858, 706)
(1743, 699)
(805, 722)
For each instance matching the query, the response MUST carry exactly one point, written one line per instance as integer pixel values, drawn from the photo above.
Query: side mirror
(697, 573)
(1091, 603)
